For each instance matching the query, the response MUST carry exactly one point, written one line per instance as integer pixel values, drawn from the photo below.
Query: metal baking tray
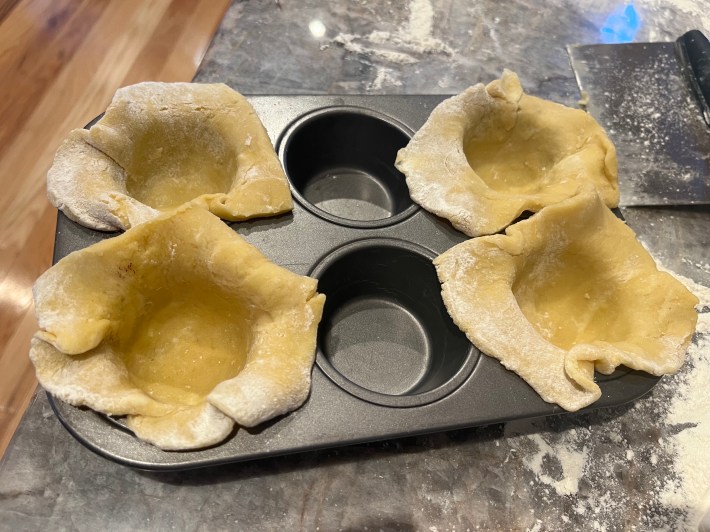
(390, 362)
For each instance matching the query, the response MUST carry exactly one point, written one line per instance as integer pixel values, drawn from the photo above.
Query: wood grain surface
(60, 63)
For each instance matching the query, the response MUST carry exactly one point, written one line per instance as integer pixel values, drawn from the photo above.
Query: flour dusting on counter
(403, 46)
(662, 11)
(385, 76)
(559, 463)
(690, 408)
(558, 451)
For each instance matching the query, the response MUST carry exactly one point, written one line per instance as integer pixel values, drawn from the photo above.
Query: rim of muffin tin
(469, 353)
(312, 117)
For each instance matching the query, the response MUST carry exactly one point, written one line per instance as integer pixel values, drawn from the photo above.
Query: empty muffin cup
(385, 336)
(340, 161)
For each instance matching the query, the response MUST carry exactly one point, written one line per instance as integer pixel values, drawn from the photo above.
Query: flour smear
(403, 46)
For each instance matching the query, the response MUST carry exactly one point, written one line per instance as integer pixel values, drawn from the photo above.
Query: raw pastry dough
(489, 154)
(180, 325)
(563, 293)
(160, 145)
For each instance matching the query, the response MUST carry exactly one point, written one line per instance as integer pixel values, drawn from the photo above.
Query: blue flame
(621, 25)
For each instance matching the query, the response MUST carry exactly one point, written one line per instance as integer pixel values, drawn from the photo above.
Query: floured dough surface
(566, 292)
(160, 145)
(492, 152)
(180, 325)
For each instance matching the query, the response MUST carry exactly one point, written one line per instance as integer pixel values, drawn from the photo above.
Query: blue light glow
(621, 25)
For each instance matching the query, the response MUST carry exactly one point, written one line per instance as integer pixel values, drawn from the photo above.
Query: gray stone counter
(635, 467)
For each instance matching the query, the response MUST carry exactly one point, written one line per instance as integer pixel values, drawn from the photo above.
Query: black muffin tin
(390, 362)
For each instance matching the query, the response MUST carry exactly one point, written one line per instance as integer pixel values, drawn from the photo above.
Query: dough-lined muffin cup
(564, 293)
(180, 325)
(489, 154)
(160, 145)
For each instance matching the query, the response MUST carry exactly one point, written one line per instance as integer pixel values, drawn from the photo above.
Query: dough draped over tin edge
(110, 298)
(487, 155)
(160, 145)
(564, 293)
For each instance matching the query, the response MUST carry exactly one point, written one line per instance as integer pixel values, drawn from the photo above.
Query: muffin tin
(390, 362)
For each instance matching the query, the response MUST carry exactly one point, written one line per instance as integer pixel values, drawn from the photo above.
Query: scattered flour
(404, 46)
(661, 7)
(699, 265)
(690, 407)
(353, 43)
(385, 76)
(536, 527)
(571, 457)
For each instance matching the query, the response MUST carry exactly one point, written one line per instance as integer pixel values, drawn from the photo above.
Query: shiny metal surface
(639, 94)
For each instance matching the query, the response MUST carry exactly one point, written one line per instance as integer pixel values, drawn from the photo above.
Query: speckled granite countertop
(634, 467)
